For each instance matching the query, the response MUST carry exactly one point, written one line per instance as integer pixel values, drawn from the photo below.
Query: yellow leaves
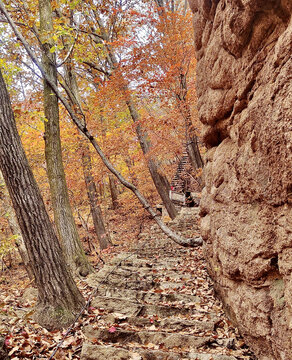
(9, 70)
(74, 3)
(7, 245)
(55, 48)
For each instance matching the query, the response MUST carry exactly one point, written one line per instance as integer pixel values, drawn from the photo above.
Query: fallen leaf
(112, 329)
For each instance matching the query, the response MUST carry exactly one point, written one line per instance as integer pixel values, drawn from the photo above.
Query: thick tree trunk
(160, 181)
(12, 221)
(58, 297)
(63, 215)
(194, 151)
(113, 191)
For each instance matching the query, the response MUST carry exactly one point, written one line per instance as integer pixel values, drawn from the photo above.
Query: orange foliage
(154, 56)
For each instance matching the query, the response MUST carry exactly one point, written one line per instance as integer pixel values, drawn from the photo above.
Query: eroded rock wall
(244, 87)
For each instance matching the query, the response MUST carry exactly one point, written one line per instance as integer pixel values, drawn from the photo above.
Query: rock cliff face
(244, 87)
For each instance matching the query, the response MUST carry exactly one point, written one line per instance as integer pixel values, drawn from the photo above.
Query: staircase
(152, 305)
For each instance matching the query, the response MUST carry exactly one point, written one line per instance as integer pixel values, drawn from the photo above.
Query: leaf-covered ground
(166, 270)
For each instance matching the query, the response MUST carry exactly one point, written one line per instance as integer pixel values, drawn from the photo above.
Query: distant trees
(173, 58)
(95, 209)
(109, 65)
(97, 45)
(14, 227)
(58, 297)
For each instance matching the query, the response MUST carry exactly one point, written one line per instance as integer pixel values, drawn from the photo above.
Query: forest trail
(156, 302)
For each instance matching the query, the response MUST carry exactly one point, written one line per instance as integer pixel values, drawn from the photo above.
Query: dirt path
(157, 303)
(154, 302)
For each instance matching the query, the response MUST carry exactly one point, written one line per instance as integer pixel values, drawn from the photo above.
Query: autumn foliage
(143, 48)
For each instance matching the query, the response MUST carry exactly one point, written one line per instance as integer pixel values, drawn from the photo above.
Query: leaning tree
(58, 296)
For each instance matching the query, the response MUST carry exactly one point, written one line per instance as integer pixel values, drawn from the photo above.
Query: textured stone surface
(98, 352)
(244, 72)
(158, 324)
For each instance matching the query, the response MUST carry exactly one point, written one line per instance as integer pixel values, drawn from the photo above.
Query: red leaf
(25, 334)
(7, 342)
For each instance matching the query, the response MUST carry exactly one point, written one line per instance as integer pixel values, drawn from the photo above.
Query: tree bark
(192, 144)
(12, 221)
(191, 138)
(97, 218)
(130, 165)
(95, 210)
(160, 181)
(113, 191)
(58, 297)
(74, 253)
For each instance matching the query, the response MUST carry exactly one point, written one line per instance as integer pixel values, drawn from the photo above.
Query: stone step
(132, 308)
(136, 283)
(142, 273)
(169, 285)
(162, 257)
(95, 280)
(125, 272)
(140, 261)
(147, 296)
(102, 352)
(147, 315)
(152, 268)
(194, 326)
(166, 340)
(170, 323)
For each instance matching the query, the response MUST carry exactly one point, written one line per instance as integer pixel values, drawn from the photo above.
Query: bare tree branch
(97, 68)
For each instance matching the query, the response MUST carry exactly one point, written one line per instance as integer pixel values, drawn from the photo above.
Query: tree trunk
(97, 218)
(12, 221)
(114, 191)
(58, 297)
(191, 137)
(160, 181)
(101, 189)
(130, 165)
(192, 242)
(192, 140)
(74, 253)
(95, 210)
